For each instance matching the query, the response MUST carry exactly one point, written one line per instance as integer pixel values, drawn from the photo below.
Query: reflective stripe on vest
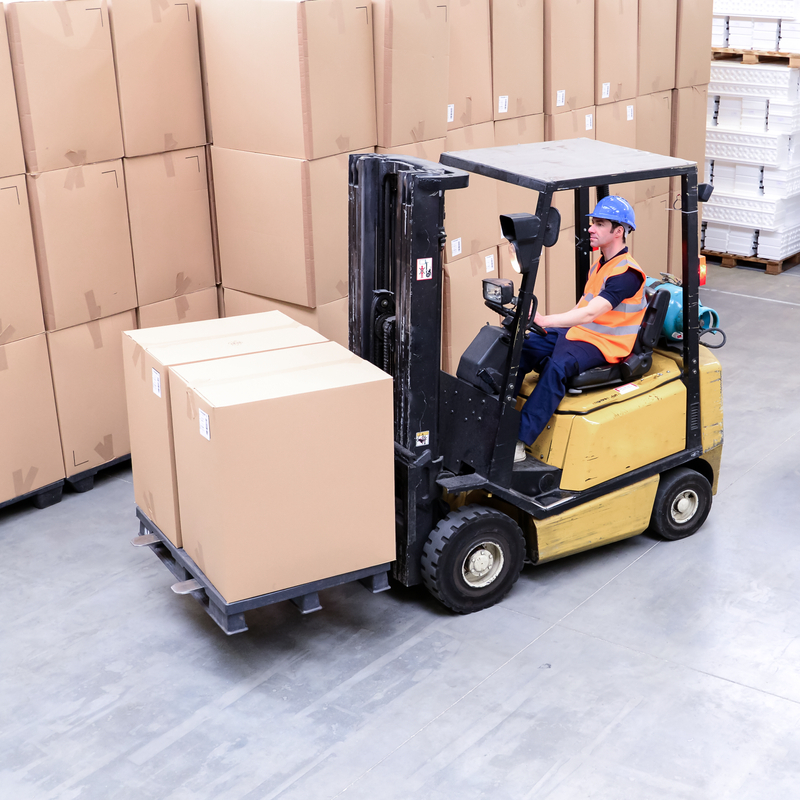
(613, 332)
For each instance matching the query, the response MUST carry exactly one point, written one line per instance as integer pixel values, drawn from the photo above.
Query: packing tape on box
(6, 334)
(24, 485)
(91, 304)
(138, 358)
(170, 142)
(182, 284)
(157, 6)
(96, 334)
(169, 164)
(343, 143)
(191, 406)
(337, 11)
(182, 306)
(418, 133)
(66, 20)
(3, 359)
(105, 449)
(150, 506)
(74, 179)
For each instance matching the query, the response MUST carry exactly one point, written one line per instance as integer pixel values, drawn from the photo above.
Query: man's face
(600, 233)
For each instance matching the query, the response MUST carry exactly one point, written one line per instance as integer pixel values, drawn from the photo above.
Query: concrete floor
(641, 670)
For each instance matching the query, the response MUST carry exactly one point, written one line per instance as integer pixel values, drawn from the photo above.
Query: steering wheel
(536, 328)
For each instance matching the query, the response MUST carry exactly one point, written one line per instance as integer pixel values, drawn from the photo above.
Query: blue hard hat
(617, 209)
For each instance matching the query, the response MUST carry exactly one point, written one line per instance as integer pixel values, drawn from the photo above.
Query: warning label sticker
(424, 269)
(628, 387)
(423, 438)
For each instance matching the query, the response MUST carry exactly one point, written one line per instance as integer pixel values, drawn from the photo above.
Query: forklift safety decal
(205, 428)
(423, 438)
(424, 269)
(628, 387)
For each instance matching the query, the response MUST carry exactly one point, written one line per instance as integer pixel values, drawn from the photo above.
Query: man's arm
(577, 316)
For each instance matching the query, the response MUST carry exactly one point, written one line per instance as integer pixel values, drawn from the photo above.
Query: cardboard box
(559, 262)
(568, 55)
(675, 264)
(689, 127)
(66, 88)
(577, 124)
(271, 80)
(692, 57)
(412, 69)
(649, 243)
(657, 34)
(616, 124)
(156, 50)
(653, 133)
(288, 243)
(429, 150)
(245, 477)
(331, 319)
(20, 306)
(471, 220)
(615, 50)
(86, 361)
(517, 58)
(83, 243)
(540, 285)
(193, 307)
(509, 132)
(464, 311)
(12, 162)
(30, 457)
(469, 96)
(147, 356)
(170, 224)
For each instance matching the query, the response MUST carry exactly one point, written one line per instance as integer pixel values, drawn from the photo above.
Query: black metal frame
(448, 434)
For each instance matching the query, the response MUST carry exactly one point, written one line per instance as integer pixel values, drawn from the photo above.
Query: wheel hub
(482, 565)
(685, 506)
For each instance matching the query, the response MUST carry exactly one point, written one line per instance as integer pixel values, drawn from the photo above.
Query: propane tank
(673, 322)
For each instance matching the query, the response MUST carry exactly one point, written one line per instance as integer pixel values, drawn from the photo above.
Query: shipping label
(156, 383)
(502, 104)
(455, 247)
(561, 97)
(490, 263)
(205, 428)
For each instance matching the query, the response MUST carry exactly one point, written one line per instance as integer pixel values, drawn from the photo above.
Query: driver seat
(640, 359)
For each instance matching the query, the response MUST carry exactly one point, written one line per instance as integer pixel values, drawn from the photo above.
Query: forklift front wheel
(682, 503)
(472, 558)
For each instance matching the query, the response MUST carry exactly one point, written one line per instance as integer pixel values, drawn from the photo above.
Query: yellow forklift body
(610, 518)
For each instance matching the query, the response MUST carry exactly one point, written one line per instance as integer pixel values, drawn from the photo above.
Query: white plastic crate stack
(753, 137)
(765, 25)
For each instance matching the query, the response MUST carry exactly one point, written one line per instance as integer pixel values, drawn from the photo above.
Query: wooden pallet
(755, 56)
(771, 267)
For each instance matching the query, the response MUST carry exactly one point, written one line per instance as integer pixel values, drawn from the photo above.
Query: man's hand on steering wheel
(536, 326)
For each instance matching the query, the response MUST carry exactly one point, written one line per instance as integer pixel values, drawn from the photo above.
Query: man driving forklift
(600, 329)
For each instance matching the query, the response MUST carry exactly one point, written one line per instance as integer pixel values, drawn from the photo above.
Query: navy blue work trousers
(555, 358)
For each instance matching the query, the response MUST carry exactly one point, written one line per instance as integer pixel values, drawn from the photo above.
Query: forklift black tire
(472, 558)
(682, 503)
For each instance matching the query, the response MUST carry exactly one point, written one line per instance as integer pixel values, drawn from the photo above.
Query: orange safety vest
(613, 333)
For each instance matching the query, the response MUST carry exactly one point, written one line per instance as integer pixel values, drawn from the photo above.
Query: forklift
(632, 446)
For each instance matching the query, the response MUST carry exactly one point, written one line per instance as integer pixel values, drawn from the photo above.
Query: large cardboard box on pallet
(170, 221)
(66, 87)
(193, 307)
(508, 132)
(517, 58)
(657, 34)
(282, 225)
(86, 362)
(30, 457)
(290, 78)
(464, 311)
(20, 305)
(689, 106)
(83, 243)
(653, 133)
(568, 55)
(156, 51)
(616, 51)
(260, 510)
(471, 220)
(412, 68)
(559, 264)
(12, 162)
(616, 124)
(147, 356)
(469, 96)
(692, 57)
(330, 319)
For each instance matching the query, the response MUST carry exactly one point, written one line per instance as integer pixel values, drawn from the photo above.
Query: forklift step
(462, 483)
(532, 477)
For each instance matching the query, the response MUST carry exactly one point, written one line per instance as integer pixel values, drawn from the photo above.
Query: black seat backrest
(653, 322)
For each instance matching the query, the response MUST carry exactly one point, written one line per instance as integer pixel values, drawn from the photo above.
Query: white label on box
(156, 383)
(561, 97)
(606, 90)
(502, 104)
(423, 438)
(630, 113)
(205, 429)
(424, 269)
(455, 247)
(451, 113)
(628, 387)
(589, 121)
(490, 263)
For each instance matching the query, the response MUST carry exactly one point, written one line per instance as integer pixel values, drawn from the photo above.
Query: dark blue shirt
(620, 287)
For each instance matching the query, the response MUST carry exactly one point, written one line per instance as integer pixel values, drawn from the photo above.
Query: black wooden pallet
(230, 616)
(83, 481)
(42, 498)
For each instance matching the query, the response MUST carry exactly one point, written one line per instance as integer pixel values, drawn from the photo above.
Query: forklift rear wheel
(472, 558)
(682, 503)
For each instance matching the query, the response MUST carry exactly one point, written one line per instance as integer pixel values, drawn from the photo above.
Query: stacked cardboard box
(281, 146)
